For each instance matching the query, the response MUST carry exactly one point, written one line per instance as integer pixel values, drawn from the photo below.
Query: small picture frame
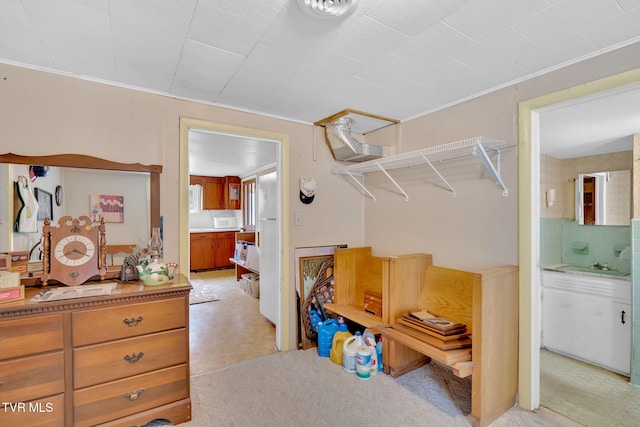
(45, 204)
(234, 191)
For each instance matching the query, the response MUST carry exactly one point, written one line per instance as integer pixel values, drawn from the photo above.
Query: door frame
(284, 333)
(528, 228)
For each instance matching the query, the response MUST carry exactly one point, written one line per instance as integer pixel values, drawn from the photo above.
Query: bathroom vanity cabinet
(588, 317)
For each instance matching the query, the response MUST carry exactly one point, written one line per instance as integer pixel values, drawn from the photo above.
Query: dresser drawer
(111, 323)
(100, 363)
(31, 377)
(98, 404)
(48, 412)
(30, 335)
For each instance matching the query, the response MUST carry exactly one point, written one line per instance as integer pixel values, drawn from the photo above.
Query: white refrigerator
(268, 248)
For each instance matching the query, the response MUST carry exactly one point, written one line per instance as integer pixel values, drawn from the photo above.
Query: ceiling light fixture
(328, 8)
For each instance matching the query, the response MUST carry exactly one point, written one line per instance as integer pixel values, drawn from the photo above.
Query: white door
(268, 247)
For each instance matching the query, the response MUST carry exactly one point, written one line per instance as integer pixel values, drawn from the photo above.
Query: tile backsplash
(564, 241)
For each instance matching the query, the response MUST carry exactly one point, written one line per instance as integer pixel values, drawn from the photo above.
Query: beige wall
(475, 229)
(42, 113)
(47, 114)
(479, 227)
(560, 174)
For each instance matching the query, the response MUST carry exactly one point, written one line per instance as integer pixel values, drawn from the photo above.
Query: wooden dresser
(116, 360)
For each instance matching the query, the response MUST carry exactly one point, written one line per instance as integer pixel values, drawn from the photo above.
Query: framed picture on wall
(45, 204)
(234, 191)
(109, 207)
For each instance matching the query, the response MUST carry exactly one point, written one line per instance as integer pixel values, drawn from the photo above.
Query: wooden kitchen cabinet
(118, 359)
(201, 250)
(211, 250)
(232, 192)
(224, 249)
(218, 192)
(213, 194)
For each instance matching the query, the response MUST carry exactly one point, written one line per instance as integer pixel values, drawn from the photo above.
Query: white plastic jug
(350, 352)
(363, 362)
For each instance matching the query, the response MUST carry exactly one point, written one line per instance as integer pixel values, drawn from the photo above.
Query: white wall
(80, 184)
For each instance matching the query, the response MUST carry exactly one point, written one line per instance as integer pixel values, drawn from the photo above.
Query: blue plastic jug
(326, 330)
(315, 319)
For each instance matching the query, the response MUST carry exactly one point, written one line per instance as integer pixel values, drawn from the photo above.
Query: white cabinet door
(583, 317)
(620, 359)
(559, 324)
(595, 342)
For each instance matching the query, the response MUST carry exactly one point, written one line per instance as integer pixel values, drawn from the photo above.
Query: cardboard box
(9, 280)
(19, 257)
(5, 261)
(9, 295)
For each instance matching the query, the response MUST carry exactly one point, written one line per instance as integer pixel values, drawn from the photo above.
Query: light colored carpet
(299, 388)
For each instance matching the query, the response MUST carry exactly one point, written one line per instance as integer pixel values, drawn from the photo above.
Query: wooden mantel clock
(74, 252)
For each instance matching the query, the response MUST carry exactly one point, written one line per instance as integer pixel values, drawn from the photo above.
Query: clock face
(74, 250)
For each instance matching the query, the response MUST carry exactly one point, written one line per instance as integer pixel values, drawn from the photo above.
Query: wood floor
(227, 331)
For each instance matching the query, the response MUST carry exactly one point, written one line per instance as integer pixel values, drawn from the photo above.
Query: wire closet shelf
(480, 146)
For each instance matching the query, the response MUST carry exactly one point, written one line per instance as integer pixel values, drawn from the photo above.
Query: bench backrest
(448, 293)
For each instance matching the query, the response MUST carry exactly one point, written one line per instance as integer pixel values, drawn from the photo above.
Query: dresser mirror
(73, 184)
(604, 198)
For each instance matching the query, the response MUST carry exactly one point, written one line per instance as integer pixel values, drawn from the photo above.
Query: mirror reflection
(122, 197)
(604, 198)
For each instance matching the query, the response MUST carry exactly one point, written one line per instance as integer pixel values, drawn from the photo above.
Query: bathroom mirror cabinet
(604, 198)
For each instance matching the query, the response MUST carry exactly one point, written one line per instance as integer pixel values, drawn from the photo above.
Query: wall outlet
(298, 218)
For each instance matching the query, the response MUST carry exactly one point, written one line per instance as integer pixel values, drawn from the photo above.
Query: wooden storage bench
(355, 271)
(487, 302)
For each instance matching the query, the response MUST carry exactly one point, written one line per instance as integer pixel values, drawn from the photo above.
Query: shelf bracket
(440, 175)
(406, 196)
(478, 149)
(361, 185)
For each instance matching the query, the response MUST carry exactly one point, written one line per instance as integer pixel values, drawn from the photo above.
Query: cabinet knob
(134, 357)
(132, 322)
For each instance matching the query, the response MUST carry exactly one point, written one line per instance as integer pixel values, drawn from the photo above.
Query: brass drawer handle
(132, 322)
(134, 357)
(134, 395)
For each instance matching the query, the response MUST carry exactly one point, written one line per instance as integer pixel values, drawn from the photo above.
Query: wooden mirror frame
(88, 162)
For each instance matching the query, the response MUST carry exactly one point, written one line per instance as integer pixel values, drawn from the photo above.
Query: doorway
(283, 317)
(529, 229)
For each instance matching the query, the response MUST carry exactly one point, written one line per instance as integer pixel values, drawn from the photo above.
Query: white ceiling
(389, 58)
(218, 154)
(596, 124)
